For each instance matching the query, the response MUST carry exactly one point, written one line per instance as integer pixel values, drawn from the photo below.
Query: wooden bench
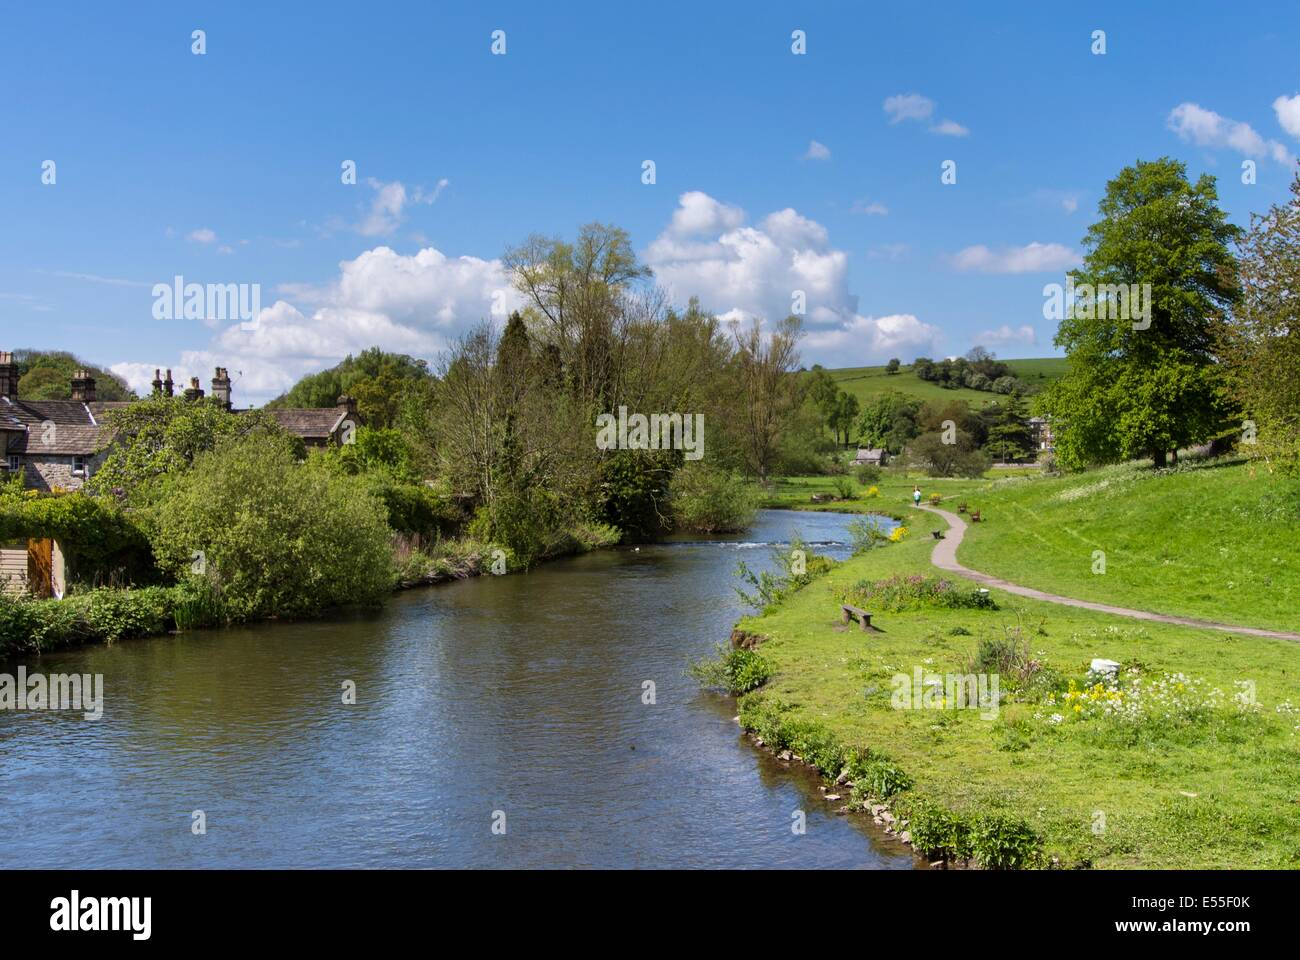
(847, 611)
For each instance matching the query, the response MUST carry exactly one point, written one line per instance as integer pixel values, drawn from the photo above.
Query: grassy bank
(1206, 782)
(1214, 540)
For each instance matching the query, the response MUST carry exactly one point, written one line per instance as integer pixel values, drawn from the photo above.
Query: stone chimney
(83, 387)
(194, 392)
(8, 376)
(157, 383)
(347, 405)
(169, 388)
(221, 388)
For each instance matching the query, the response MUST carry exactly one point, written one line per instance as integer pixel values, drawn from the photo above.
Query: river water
(514, 701)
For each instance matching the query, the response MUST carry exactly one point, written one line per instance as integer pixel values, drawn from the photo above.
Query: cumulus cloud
(1024, 334)
(949, 128)
(388, 206)
(908, 106)
(872, 209)
(913, 106)
(1205, 128)
(753, 271)
(817, 151)
(1288, 114)
(414, 304)
(1031, 258)
(202, 235)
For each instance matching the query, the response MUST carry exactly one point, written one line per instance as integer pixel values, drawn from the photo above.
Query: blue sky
(225, 167)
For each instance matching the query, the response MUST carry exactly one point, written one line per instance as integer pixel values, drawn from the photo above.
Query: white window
(78, 466)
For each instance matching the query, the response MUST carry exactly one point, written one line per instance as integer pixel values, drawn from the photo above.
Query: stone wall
(49, 471)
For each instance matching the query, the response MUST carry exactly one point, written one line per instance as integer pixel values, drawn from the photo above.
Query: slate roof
(311, 423)
(76, 431)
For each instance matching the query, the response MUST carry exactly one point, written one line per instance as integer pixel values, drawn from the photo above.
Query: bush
(277, 538)
(867, 473)
(710, 500)
(843, 487)
(1000, 842)
(898, 593)
(866, 535)
(735, 670)
(798, 567)
(30, 625)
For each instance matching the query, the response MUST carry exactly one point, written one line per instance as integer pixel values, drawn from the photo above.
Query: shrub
(1007, 655)
(876, 776)
(735, 670)
(938, 832)
(710, 500)
(277, 538)
(1000, 842)
(898, 593)
(866, 534)
(843, 487)
(867, 473)
(112, 615)
(798, 567)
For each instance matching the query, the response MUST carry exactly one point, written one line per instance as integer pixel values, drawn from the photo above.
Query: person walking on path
(916, 496)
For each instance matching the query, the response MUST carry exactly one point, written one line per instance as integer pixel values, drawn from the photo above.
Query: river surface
(518, 696)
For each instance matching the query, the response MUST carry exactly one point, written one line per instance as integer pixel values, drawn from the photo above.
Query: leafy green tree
(889, 421)
(846, 414)
(1009, 435)
(824, 393)
(892, 366)
(1146, 386)
(161, 436)
(1260, 343)
(961, 458)
(277, 538)
(47, 375)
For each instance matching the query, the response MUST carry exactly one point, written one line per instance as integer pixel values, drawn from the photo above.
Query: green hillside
(866, 383)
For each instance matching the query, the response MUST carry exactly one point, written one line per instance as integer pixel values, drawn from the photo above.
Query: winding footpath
(945, 558)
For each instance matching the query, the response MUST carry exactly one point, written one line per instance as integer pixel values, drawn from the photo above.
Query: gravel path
(945, 558)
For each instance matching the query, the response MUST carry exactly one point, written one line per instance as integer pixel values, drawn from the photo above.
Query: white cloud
(817, 151)
(1288, 114)
(913, 106)
(908, 106)
(753, 271)
(1205, 128)
(201, 235)
(1024, 334)
(872, 209)
(413, 304)
(949, 128)
(1031, 258)
(388, 206)
(1070, 204)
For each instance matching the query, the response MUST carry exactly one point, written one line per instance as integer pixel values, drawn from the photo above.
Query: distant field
(866, 383)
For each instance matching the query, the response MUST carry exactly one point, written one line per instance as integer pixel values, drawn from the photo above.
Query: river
(515, 701)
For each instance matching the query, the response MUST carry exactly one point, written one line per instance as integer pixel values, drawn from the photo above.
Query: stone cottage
(59, 443)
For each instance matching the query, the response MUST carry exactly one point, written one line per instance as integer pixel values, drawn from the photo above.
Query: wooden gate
(40, 567)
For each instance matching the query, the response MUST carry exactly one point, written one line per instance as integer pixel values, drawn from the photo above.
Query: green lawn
(1217, 541)
(866, 383)
(1220, 793)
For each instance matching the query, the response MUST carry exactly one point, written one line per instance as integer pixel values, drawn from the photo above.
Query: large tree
(769, 391)
(1261, 342)
(1146, 386)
